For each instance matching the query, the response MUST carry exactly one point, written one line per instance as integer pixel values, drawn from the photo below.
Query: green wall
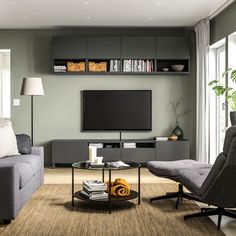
(223, 24)
(57, 114)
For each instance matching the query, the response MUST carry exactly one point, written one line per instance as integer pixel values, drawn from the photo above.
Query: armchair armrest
(9, 187)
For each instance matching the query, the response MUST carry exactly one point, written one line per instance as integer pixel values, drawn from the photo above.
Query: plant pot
(178, 132)
(233, 117)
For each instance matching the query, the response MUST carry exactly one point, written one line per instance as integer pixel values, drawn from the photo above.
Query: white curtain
(202, 30)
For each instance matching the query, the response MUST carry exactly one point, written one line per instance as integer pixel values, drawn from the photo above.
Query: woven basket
(98, 67)
(75, 67)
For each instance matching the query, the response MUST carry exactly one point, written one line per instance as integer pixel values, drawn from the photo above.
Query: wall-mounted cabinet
(120, 55)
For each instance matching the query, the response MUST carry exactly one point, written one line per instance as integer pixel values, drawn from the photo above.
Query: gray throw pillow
(23, 143)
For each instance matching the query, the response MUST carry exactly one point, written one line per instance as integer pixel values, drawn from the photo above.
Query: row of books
(114, 65)
(94, 190)
(138, 65)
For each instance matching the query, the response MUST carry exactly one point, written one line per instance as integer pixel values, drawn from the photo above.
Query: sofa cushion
(23, 143)
(8, 144)
(25, 173)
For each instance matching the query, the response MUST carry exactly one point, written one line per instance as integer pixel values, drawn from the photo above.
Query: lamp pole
(32, 119)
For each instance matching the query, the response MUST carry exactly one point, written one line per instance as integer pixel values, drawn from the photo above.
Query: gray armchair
(218, 187)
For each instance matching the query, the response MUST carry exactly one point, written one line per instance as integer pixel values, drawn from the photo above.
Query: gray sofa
(20, 177)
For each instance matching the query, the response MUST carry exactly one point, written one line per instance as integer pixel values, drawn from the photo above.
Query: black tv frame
(115, 130)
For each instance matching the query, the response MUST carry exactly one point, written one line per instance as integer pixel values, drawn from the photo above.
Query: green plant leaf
(213, 82)
(233, 75)
(226, 72)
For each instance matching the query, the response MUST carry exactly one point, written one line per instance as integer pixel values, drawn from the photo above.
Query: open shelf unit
(105, 55)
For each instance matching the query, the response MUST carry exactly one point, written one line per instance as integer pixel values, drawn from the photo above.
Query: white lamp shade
(32, 86)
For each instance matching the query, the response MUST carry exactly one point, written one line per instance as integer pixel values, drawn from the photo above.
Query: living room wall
(57, 114)
(223, 24)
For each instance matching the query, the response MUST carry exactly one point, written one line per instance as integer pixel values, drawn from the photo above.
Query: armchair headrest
(230, 134)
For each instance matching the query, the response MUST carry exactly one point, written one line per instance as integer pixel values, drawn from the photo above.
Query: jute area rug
(49, 212)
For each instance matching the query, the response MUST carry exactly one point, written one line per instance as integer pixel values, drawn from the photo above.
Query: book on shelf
(93, 183)
(161, 138)
(95, 189)
(137, 65)
(114, 65)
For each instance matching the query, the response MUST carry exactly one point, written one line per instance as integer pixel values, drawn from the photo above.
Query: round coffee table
(85, 166)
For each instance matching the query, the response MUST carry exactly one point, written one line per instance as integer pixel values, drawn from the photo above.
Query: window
(217, 111)
(5, 84)
(231, 64)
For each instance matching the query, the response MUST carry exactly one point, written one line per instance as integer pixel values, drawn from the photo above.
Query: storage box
(75, 66)
(98, 66)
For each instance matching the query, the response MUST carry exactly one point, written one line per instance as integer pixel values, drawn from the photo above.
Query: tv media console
(68, 151)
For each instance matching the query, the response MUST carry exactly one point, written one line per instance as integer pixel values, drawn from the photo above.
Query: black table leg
(139, 186)
(109, 192)
(73, 203)
(103, 175)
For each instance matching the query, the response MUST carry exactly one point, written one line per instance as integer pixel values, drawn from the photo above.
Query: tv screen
(117, 110)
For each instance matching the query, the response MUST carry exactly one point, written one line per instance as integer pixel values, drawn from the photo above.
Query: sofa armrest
(9, 188)
(39, 151)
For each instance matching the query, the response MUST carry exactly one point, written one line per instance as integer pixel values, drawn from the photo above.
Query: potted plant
(228, 92)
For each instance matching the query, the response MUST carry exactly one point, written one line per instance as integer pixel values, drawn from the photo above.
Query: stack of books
(114, 65)
(94, 190)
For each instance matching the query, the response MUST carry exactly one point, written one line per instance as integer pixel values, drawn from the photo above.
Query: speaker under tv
(117, 110)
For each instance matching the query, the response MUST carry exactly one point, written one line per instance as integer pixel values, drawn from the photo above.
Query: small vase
(233, 117)
(178, 132)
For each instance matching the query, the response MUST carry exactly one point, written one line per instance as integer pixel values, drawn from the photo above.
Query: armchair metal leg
(6, 222)
(213, 211)
(179, 195)
(202, 214)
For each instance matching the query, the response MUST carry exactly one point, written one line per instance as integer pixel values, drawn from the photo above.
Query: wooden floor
(49, 212)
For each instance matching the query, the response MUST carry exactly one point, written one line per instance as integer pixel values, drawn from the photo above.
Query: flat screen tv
(117, 110)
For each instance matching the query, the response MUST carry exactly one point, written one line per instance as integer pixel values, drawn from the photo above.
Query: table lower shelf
(133, 195)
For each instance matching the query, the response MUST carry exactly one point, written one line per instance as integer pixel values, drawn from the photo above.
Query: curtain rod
(221, 8)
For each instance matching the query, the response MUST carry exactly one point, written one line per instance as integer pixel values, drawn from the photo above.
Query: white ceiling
(59, 13)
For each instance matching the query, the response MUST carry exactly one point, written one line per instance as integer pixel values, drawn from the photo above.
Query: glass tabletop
(85, 165)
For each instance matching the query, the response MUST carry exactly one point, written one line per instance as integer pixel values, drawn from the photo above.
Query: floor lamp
(32, 86)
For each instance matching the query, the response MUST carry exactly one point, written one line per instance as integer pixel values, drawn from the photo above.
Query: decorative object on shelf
(228, 92)
(173, 137)
(61, 68)
(75, 66)
(97, 66)
(178, 132)
(119, 188)
(177, 68)
(165, 69)
(98, 160)
(176, 107)
(32, 86)
(92, 153)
